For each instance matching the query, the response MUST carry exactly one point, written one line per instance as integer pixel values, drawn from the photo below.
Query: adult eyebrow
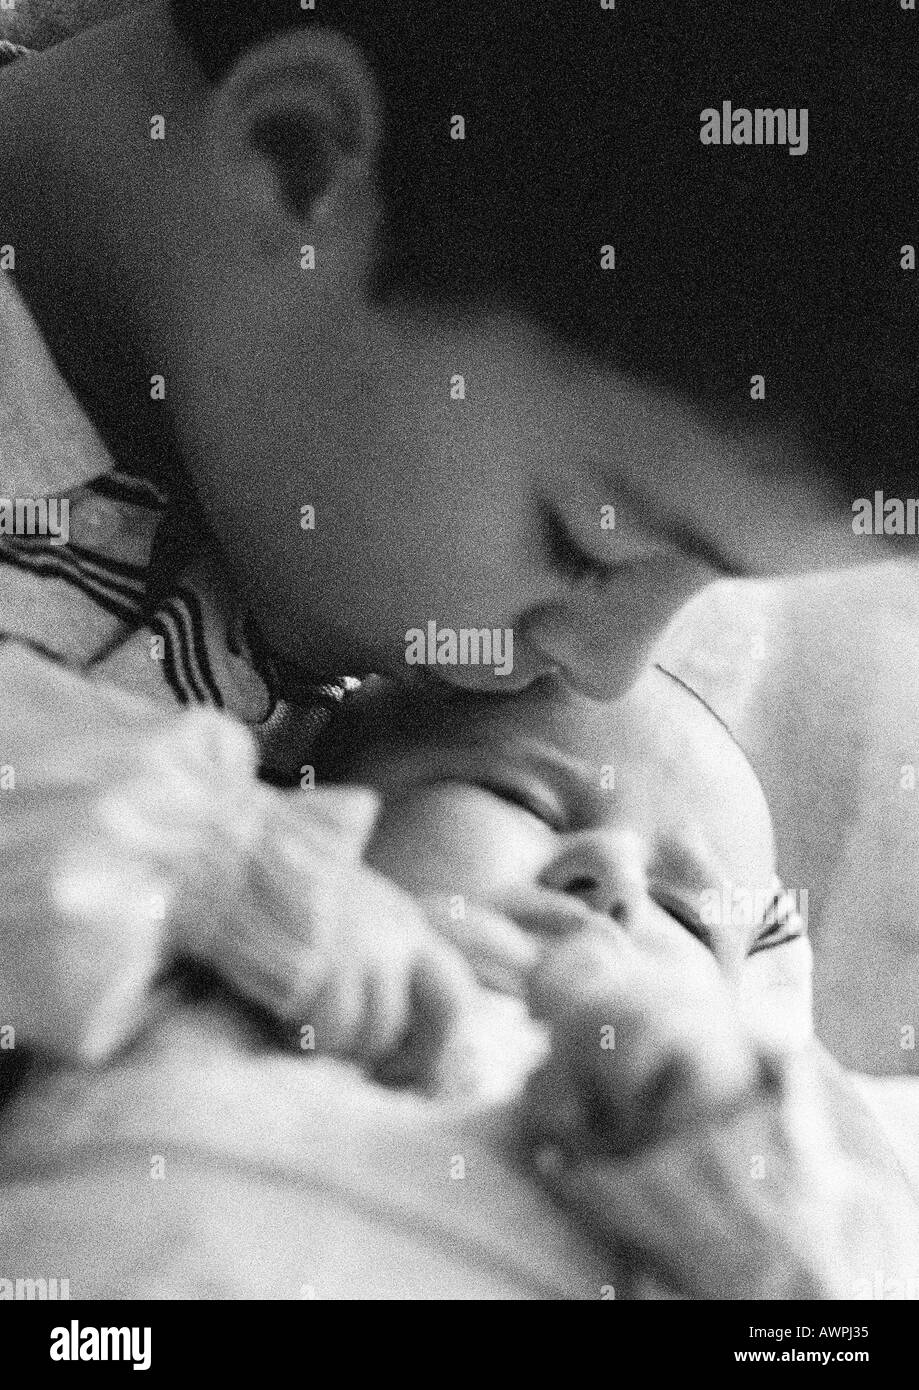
(674, 531)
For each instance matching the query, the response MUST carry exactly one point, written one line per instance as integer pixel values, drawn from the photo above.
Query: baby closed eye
(783, 922)
(528, 796)
(683, 910)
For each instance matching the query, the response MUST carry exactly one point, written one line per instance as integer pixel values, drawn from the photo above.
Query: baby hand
(642, 1045)
(657, 1124)
(339, 955)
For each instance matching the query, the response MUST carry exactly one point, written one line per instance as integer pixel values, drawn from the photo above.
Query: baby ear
(293, 129)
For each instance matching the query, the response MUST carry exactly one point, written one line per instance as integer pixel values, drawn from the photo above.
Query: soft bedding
(202, 1165)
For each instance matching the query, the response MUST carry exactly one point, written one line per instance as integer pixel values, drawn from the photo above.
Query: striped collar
(10, 51)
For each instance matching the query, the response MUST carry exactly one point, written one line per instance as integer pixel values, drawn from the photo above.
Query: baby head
(643, 815)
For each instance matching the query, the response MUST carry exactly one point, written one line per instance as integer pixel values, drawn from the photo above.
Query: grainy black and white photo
(459, 661)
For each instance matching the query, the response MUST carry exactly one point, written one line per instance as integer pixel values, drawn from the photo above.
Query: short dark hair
(582, 130)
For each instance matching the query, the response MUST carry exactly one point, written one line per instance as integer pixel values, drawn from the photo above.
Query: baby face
(645, 813)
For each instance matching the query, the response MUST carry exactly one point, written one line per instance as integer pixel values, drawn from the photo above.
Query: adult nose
(605, 871)
(600, 670)
(601, 639)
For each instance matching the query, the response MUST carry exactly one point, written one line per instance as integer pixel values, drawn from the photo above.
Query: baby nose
(607, 873)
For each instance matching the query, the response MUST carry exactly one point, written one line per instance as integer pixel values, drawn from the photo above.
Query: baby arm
(132, 836)
(724, 1168)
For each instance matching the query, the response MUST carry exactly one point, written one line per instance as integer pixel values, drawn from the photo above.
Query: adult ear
(293, 131)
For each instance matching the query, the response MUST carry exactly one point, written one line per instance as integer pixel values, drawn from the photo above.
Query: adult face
(464, 469)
